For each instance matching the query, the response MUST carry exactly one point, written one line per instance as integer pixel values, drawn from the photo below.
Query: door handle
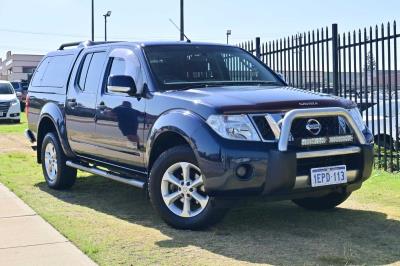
(72, 102)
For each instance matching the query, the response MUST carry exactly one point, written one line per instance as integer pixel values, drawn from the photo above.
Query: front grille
(331, 126)
(352, 161)
(4, 106)
(263, 127)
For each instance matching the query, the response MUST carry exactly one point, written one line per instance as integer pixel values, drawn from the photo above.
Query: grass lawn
(9, 127)
(115, 224)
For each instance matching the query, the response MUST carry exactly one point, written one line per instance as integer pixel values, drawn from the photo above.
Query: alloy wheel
(50, 161)
(182, 190)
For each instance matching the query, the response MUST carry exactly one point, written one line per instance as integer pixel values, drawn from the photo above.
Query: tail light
(27, 106)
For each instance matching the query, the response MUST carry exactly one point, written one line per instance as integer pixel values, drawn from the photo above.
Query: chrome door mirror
(121, 84)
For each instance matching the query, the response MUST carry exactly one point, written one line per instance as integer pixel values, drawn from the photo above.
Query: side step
(96, 171)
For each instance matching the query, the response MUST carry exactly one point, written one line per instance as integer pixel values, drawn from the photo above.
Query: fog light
(244, 171)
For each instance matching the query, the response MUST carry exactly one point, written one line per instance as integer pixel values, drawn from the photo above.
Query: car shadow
(256, 231)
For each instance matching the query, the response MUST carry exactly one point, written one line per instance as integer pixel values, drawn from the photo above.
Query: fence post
(335, 65)
(258, 47)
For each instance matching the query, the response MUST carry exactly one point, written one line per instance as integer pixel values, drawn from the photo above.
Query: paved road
(26, 239)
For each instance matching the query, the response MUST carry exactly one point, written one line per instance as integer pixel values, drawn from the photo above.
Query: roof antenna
(176, 26)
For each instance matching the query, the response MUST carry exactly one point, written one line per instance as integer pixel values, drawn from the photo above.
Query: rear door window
(84, 70)
(90, 74)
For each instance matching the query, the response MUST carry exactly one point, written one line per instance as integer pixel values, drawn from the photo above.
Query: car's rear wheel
(326, 202)
(57, 174)
(176, 190)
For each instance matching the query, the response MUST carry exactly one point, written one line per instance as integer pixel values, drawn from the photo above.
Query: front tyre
(57, 174)
(326, 202)
(176, 190)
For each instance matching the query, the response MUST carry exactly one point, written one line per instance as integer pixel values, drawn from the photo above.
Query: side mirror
(281, 76)
(121, 84)
(19, 94)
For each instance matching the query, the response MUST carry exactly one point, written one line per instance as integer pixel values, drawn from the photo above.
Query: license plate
(331, 175)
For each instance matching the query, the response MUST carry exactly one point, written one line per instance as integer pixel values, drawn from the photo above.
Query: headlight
(15, 101)
(238, 127)
(355, 113)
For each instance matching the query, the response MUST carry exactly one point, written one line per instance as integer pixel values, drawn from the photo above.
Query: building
(18, 66)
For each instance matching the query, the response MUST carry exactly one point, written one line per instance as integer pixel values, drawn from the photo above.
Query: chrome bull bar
(315, 112)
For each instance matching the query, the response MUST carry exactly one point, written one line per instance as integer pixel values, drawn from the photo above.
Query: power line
(81, 36)
(41, 33)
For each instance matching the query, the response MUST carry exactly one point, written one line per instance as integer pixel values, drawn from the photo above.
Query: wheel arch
(171, 129)
(52, 120)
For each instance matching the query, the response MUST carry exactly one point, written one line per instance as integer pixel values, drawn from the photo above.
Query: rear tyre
(17, 121)
(327, 202)
(57, 174)
(176, 191)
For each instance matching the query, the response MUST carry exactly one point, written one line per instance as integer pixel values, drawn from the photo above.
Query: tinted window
(117, 67)
(37, 77)
(57, 72)
(53, 71)
(6, 88)
(84, 70)
(94, 72)
(177, 66)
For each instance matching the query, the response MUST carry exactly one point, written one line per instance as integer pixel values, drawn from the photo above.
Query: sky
(39, 26)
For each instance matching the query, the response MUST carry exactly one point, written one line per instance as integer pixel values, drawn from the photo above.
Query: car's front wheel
(326, 202)
(57, 174)
(176, 190)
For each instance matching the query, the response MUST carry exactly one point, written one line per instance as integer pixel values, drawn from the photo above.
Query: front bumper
(12, 113)
(277, 171)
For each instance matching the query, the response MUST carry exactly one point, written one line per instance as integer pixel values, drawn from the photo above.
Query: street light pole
(182, 23)
(106, 15)
(92, 20)
(228, 33)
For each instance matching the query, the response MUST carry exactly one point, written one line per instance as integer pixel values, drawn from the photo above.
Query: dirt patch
(14, 142)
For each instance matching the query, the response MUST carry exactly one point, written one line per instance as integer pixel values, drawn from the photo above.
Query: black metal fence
(360, 65)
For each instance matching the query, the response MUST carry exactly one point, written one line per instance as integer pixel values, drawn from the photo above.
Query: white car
(384, 135)
(10, 108)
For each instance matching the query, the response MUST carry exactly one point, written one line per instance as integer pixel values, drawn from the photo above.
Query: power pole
(106, 15)
(182, 23)
(92, 20)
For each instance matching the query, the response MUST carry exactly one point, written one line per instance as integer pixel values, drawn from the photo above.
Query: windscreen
(6, 88)
(185, 66)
